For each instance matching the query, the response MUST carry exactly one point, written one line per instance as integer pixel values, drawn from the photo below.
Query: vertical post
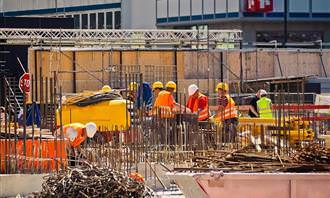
(74, 75)
(285, 23)
(221, 66)
(36, 70)
(241, 65)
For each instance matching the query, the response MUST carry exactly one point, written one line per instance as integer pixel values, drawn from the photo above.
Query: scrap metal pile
(311, 158)
(91, 181)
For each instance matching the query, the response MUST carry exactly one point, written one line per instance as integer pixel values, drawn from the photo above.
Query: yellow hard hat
(133, 86)
(158, 85)
(106, 88)
(224, 86)
(171, 84)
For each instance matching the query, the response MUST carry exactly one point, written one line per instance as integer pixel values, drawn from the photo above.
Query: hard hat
(106, 88)
(158, 85)
(192, 89)
(91, 129)
(71, 133)
(262, 92)
(171, 84)
(133, 86)
(223, 86)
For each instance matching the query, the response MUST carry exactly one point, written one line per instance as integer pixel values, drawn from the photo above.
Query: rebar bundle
(92, 181)
(312, 153)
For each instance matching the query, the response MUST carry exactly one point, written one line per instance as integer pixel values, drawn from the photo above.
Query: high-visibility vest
(193, 105)
(164, 105)
(264, 105)
(80, 136)
(230, 110)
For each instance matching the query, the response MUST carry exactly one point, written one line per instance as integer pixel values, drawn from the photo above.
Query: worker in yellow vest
(198, 103)
(227, 112)
(264, 105)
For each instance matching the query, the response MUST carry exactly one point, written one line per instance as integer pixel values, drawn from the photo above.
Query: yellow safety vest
(265, 107)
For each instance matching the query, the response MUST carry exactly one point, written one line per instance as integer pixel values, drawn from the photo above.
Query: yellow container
(107, 115)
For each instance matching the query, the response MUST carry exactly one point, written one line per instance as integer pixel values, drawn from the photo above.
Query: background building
(308, 20)
(88, 14)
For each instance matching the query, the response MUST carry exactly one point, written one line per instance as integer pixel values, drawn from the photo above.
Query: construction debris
(312, 158)
(92, 181)
(312, 153)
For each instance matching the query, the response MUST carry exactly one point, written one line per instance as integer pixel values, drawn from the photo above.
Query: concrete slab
(23, 184)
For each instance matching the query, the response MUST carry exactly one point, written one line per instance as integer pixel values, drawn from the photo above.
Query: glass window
(109, 20)
(117, 20)
(293, 37)
(92, 21)
(84, 21)
(76, 19)
(100, 21)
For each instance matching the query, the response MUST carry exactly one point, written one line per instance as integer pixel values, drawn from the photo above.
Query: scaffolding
(118, 37)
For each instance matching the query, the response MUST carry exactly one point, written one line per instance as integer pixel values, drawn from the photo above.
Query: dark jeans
(230, 130)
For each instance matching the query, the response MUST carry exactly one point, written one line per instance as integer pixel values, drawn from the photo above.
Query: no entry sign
(24, 83)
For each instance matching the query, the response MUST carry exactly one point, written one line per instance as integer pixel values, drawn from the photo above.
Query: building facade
(308, 20)
(88, 14)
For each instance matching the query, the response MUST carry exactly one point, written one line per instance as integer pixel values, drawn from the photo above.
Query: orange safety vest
(230, 110)
(164, 105)
(203, 114)
(81, 134)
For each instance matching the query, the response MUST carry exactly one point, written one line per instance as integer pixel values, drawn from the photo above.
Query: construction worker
(76, 134)
(132, 91)
(198, 103)
(264, 105)
(106, 88)
(227, 112)
(165, 102)
(156, 88)
(253, 109)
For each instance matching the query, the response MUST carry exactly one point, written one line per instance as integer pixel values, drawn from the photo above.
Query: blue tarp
(29, 115)
(147, 96)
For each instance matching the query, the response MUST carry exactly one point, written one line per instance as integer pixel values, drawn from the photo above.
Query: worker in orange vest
(76, 134)
(227, 112)
(198, 103)
(165, 103)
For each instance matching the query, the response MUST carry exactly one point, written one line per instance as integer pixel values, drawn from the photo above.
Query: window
(117, 20)
(68, 16)
(109, 20)
(84, 21)
(76, 19)
(100, 23)
(92, 21)
(293, 37)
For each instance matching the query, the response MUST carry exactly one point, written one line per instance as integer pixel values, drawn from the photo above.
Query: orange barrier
(46, 157)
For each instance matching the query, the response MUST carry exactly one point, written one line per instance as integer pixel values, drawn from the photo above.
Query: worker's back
(164, 99)
(164, 105)
(265, 107)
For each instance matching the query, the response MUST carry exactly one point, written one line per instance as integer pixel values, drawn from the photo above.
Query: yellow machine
(294, 130)
(106, 109)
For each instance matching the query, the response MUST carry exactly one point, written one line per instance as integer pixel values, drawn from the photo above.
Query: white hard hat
(262, 92)
(91, 129)
(192, 89)
(71, 133)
